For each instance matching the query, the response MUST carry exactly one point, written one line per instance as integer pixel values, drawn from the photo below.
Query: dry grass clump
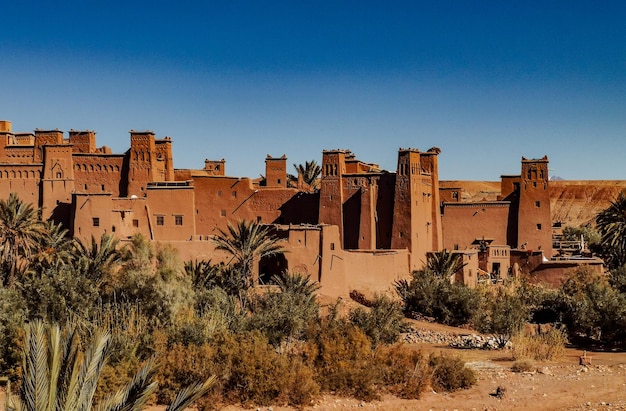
(523, 366)
(547, 346)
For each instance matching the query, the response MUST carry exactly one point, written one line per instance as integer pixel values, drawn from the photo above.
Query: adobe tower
(534, 222)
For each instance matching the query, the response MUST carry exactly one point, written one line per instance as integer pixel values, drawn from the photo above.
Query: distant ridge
(573, 202)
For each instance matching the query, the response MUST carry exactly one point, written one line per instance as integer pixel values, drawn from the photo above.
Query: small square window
(219, 193)
(234, 194)
(178, 220)
(223, 213)
(538, 226)
(258, 219)
(96, 221)
(537, 204)
(160, 220)
(332, 246)
(135, 223)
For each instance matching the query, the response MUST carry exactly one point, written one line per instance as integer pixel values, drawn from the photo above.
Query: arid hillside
(573, 202)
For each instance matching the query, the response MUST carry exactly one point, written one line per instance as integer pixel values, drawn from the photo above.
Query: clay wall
(142, 167)
(383, 215)
(276, 171)
(171, 212)
(215, 167)
(465, 222)
(554, 273)
(331, 188)
(164, 160)
(57, 182)
(45, 137)
(99, 173)
(92, 216)
(222, 199)
(82, 141)
(509, 185)
(450, 194)
(20, 155)
(22, 179)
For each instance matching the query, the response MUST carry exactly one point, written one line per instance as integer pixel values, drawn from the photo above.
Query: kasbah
(361, 229)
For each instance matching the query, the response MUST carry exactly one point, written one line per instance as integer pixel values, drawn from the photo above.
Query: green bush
(504, 310)
(284, 313)
(12, 315)
(450, 373)
(434, 296)
(382, 323)
(593, 309)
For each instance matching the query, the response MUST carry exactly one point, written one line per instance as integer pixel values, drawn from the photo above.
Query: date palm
(444, 264)
(246, 241)
(56, 247)
(309, 172)
(58, 377)
(611, 224)
(21, 232)
(97, 259)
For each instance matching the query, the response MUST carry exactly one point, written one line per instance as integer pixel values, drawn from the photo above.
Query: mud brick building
(364, 228)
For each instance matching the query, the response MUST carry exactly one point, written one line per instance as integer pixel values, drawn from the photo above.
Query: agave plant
(57, 376)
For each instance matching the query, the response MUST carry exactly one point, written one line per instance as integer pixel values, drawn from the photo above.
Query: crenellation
(359, 212)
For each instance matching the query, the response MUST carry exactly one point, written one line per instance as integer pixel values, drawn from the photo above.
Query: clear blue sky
(486, 81)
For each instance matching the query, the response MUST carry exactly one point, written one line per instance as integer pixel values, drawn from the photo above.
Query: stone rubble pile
(473, 341)
(430, 337)
(468, 341)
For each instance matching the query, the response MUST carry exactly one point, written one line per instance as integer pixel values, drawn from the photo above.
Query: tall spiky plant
(57, 376)
(444, 264)
(246, 241)
(611, 224)
(20, 234)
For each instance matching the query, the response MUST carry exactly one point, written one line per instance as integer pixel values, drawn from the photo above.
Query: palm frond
(190, 394)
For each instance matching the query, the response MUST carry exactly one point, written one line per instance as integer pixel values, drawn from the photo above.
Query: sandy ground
(562, 385)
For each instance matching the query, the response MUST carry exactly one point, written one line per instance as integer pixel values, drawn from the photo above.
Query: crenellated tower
(331, 191)
(416, 217)
(142, 167)
(534, 220)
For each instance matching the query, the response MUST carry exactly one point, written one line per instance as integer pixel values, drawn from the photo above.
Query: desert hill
(573, 202)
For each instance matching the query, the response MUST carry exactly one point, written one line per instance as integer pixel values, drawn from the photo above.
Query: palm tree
(58, 377)
(56, 247)
(444, 264)
(309, 172)
(21, 232)
(97, 260)
(611, 224)
(245, 242)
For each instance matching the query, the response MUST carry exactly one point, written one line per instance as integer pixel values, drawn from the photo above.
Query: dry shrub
(542, 347)
(450, 373)
(249, 371)
(181, 365)
(404, 371)
(522, 366)
(343, 360)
